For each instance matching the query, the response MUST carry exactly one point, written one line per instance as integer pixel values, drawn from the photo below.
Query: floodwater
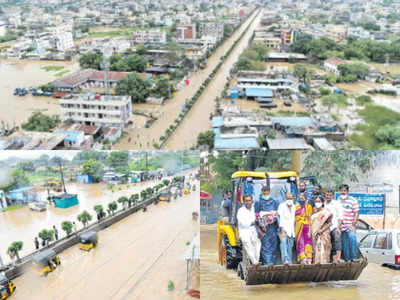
(217, 283)
(25, 73)
(135, 259)
(198, 119)
(24, 224)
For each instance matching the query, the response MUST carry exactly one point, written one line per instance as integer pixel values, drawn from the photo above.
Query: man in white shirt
(335, 208)
(286, 212)
(247, 231)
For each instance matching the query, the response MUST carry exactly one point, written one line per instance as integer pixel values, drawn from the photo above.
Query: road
(144, 138)
(217, 283)
(135, 259)
(198, 119)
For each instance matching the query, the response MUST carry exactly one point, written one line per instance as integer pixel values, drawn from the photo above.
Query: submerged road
(198, 119)
(143, 138)
(135, 259)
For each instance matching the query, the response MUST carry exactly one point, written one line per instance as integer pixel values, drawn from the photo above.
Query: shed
(66, 200)
(234, 93)
(258, 92)
(25, 194)
(84, 178)
(288, 144)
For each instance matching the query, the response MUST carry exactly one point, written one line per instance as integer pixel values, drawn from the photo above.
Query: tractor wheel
(233, 254)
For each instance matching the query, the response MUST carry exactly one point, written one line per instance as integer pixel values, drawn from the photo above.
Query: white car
(38, 206)
(382, 247)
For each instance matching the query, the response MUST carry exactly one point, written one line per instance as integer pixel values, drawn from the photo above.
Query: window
(381, 241)
(366, 242)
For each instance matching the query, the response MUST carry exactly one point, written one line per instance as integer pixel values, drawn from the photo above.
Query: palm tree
(84, 217)
(14, 248)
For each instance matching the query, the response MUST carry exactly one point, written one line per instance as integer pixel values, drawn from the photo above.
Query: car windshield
(280, 187)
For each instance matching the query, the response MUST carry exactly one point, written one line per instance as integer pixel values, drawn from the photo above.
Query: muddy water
(24, 224)
(198, 119)
(143, 138)
(135, 259)
(24, 73)
(218, 283)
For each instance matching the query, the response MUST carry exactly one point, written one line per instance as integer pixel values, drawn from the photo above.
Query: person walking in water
(75, 226)
(36, 241)
(55, 232)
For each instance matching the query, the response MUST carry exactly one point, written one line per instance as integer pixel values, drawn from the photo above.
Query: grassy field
(62, 73)
(52, 68)
(13, 207)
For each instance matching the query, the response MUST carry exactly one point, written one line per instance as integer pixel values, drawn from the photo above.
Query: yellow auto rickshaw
(7, 287)
(46, 261)
(88, 240)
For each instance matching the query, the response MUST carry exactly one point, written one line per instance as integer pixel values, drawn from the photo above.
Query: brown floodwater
(135, 259)
(375, 282)
(24, 224)
(143, 138)
(25, 73)
(198, 119)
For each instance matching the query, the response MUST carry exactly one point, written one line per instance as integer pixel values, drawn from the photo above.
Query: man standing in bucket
(348, 227)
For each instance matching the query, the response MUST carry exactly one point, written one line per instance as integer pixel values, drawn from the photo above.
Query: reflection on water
(217, 283)
(24, 224)
(25, 73)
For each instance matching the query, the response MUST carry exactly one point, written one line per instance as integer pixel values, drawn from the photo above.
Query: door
(366, 246)
(380, 248)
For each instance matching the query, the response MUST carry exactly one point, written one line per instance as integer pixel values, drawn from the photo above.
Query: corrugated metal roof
(217, 121)
(258, 92)
(288, 144)
(236, 143)
(323, 144)
(293, 121)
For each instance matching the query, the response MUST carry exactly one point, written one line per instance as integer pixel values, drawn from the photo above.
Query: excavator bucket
(281, 274)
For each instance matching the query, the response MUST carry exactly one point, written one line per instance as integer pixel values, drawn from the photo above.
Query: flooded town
(116, 206)
(229, 269)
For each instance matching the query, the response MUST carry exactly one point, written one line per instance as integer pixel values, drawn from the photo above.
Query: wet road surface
(135, 259)
(217, 283)
(143, 138)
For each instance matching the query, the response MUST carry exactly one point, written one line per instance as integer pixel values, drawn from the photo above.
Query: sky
(34, 154)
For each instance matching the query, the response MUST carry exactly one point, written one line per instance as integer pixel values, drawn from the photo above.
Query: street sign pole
(384, 211)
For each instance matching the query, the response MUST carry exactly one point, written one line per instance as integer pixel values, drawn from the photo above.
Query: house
(73, 139)
(185, 32)
(84, 178)
(23, 195)
(331, 65)
(336, 33)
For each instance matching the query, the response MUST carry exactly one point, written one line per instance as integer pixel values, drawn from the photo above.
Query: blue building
(84, 178)
(23, 195)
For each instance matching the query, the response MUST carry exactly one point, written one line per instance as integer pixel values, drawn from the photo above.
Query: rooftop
(288, 144)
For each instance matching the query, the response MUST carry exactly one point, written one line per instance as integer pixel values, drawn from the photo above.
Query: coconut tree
(14, 248)
(143, 194)
(166, 182)
(133, 199)
(46, 236)
(67, 227)
(84, 217)
(99, 211)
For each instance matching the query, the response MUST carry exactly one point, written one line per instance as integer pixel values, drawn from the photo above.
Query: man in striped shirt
(348, 224)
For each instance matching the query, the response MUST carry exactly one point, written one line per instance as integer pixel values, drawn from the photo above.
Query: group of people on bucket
(317, 227)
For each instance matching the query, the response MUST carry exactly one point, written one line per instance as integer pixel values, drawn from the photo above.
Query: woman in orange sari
(303, 232)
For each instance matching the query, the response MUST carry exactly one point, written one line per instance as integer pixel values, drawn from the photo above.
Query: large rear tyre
(233, 254)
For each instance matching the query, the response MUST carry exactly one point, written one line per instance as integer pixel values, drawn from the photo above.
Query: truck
(232, 255)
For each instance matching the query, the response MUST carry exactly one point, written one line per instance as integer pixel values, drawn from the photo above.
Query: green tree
(175, 53)
(133, 199)
(141, 49)
(14, 248)
(99, 211)
(46, 236)
(166, 182)
(118, 159)
(38, 121)
(338, 100)
(389, 135)
(303, 72)
(206, 138)
(67, 227)
(84, 217)
(135, 86)
(112, 206)
(123, 200)
(19, 179)
(85, 155)
(26, 166)
(94, 169)
(363, 100)
(136, 63)
(224, 166)
(333, 168)
(163, 88)
(91, 60)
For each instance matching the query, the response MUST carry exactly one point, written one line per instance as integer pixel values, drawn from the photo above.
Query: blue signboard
(369, 204)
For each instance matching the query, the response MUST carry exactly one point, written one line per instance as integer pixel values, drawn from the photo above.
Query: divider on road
(171, 129)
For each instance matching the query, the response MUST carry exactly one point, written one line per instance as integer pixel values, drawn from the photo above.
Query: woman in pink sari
(303, 232)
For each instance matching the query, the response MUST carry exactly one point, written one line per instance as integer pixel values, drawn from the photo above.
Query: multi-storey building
(186, 32)
(336, 33)
(150, 37)
(213, 30)
(100, 110)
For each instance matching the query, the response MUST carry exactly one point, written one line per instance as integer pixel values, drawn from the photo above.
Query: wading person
(335, 208)
(286, 212)
(55, 232)
(36, 241)
(247, 231)
(268, 223)
(348, 226)
(321, 234)
(303, 234)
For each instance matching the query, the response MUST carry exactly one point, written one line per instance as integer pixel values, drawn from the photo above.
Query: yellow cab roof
(279, 174)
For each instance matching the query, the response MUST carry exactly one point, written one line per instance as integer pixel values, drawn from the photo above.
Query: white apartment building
(100, 110)
(150, 37)
(358, 32)
(213, 30)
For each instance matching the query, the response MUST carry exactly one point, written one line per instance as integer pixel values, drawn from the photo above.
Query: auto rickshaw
(187, 189)
(165, 196)
(7, 287)
(88, 240)
(46, 261)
